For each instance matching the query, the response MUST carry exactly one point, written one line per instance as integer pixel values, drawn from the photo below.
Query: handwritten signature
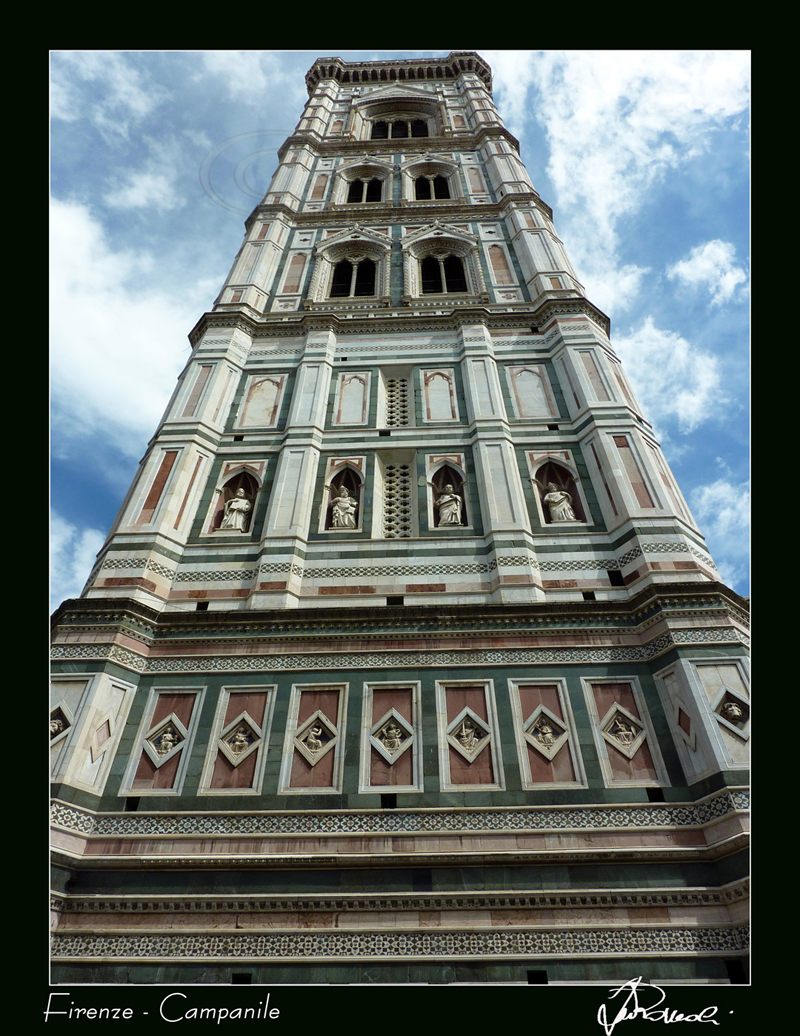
(631, 1008)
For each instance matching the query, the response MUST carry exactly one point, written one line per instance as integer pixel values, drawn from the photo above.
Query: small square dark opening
(655, 794)
(388, 802)
(131, 805)
(615, 577)
(394, 600)
(241, 978)
(202, 606)
(588, 595)
(537, 978)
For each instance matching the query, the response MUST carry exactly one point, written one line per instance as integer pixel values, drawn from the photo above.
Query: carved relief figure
(240, 741)
(56, 726)
(623, 732)
(543, 733)
(732, 712)
(343, 509)
(166, 742)
(391, 737)
(468, 735)
(448, 503)
(313, 740)
(236, 512)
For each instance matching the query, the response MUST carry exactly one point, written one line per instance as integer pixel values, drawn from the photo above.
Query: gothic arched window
(394, 129)
(365, 190)
(427, 188)
(353, 278)
(442, 275)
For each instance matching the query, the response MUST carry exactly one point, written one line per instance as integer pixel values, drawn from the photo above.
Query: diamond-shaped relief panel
(239, 739)
(315, 738)
(546, 733)
(734, 711)
(59, 723)
(623, 731)
(468, 734)
(167, 738)
(391, 736)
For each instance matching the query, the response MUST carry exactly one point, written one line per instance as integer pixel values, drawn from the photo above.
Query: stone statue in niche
(236, 512)
(448, 504)
(558, 501)
(343, 508)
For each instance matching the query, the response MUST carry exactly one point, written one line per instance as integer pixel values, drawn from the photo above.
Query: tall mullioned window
(353, 279)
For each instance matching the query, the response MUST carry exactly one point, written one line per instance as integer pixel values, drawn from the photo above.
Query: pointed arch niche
(343, 473)
(447, 508)
(235, 478)
(559, 470)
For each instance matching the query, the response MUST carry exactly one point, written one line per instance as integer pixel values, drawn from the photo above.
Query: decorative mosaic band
(372, 571)
(396, 659)
(338, 822)
(600, 941)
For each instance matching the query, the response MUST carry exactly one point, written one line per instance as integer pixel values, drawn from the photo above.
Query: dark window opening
(552, 428)
(394, 600)
(440, 276)
(353, 279)
(384, 431)
(422, 188)
(399, 129)
(241, 978)
(131, 805)
(655, 794)
(388, 802)
(615, 577)
(380, 130)
(440, 187)
(427, 187)
(588, 595)
(365, 190)
(537, 978)
(238, 438)
(201, 606)
(419, 128)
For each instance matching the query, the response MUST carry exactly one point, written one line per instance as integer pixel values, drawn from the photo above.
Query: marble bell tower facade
(404, 656)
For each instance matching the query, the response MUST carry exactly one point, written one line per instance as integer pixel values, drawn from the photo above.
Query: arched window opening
(559, 495)
(442, 275)
(429, 187)
(353, 278)
(365, 190)
(396, 129)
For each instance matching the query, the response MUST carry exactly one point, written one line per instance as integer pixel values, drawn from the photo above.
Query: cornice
(360, 73)
(563, 899)
(523, 315)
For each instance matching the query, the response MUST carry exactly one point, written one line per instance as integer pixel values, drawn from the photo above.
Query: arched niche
(233, 517)
(448, 499)
(343, 501)
(554, 505)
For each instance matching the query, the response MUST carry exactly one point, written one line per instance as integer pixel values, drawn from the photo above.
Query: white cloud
(616, 123)
(673, 380)
(72, 554)
(102, 85)
(711, 266)
(153, 185)
(251, 75)
(118, 343)
(722, 510)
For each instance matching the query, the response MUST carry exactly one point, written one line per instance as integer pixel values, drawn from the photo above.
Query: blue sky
(157, 157)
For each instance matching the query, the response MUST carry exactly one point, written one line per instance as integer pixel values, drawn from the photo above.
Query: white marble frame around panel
(217, 732)
(287, 754)
(443, 742)
(572, 745)
(365, 787)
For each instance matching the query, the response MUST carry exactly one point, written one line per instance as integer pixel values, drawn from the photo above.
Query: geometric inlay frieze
(595, 941)
(556, 818)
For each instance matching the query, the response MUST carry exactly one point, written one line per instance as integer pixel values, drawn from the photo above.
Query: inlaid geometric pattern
(554, 818)
(430, 943)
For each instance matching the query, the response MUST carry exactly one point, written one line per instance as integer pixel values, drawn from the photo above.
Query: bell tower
(404, 596)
